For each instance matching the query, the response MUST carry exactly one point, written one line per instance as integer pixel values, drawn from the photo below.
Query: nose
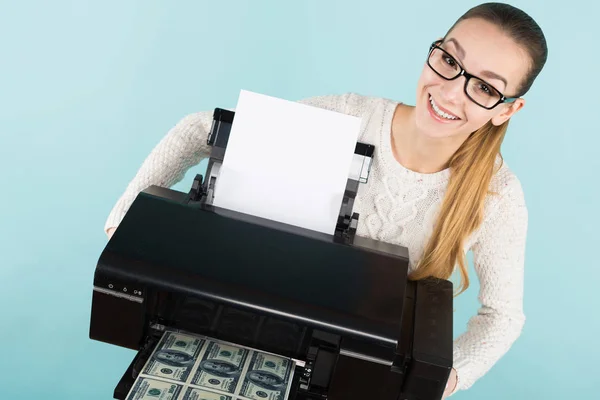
(453, 90)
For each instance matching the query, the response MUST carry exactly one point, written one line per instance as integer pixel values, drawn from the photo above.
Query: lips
(439, 107)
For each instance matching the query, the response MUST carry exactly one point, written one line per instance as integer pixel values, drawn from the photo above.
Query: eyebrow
(462, 55)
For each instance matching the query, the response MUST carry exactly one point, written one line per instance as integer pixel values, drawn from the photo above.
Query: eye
(485, 88)
(450, 61)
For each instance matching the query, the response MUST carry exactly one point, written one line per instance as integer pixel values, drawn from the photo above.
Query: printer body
(341, 306)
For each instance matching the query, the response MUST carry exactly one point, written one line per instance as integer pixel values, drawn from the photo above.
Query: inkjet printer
(340, 305)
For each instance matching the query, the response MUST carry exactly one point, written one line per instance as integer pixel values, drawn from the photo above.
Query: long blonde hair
(472, 167)
(461, 213)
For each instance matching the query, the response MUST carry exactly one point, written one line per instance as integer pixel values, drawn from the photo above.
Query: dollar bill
(221, 367)
(268, 377)
(174, 356)
(153, 389)
(192, 393)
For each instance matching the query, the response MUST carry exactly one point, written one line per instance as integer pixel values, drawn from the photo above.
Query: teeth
(440, 112)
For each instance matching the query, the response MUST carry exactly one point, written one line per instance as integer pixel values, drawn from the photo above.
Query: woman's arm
(183, 147)
(499, 258)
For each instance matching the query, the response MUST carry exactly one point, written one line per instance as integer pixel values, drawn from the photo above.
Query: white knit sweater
(397, 205)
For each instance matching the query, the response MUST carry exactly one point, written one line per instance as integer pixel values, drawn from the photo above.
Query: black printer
(340, 305)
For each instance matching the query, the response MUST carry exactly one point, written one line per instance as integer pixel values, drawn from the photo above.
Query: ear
(509, 111)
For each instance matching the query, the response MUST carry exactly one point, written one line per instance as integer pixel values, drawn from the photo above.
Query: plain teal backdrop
(88, 88)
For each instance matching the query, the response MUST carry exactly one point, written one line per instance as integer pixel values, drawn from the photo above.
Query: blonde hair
(461, 213)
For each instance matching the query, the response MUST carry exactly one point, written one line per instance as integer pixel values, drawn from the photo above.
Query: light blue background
(88, 88)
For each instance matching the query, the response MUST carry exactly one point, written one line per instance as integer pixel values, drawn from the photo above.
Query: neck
(415, 150)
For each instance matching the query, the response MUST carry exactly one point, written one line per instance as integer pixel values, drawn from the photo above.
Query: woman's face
(485, 52)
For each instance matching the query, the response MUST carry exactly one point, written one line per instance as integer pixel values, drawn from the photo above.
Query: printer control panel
(114, 286)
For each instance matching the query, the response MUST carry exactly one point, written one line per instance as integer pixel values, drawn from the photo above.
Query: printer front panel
(123, 312)
(227, 322)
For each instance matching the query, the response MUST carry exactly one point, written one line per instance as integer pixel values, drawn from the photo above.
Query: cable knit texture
(400, 206)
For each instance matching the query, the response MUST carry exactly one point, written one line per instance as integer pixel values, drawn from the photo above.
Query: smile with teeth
(440, 112)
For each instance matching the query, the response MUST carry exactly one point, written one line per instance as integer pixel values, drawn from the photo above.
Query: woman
(438, 184)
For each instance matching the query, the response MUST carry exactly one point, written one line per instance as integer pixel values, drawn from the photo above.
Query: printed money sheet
(184, 366)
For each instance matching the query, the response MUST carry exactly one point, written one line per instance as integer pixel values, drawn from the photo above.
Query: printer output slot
(310, 381)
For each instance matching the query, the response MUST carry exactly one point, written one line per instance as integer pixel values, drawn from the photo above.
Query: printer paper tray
(138, 362)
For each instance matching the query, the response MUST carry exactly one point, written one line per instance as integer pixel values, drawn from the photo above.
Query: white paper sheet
(287, 162)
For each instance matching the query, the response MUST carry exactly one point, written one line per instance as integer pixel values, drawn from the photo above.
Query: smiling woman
(463, 121)
(438, 184)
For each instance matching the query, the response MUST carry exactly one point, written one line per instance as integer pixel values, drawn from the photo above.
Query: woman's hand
(452, 380)
(110, 232)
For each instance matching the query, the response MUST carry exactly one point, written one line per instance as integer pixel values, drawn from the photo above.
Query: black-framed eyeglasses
(479, 91)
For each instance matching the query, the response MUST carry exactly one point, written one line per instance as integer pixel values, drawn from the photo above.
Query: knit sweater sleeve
(498, 258)
(184, 146)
